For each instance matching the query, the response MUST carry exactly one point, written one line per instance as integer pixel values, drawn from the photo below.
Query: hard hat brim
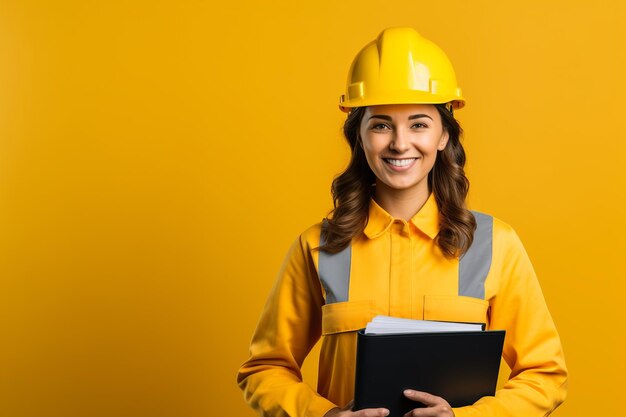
(412, 97)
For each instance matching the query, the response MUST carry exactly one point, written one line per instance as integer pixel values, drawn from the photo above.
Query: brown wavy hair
(352, 191)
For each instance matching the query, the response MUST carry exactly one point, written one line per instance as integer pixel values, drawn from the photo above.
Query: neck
(401, 204)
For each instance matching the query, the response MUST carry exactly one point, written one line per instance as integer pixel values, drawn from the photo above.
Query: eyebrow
(419, 116)
(388, 118)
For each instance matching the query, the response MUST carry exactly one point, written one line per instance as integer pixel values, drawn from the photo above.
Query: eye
(419, 125)
(380, 127)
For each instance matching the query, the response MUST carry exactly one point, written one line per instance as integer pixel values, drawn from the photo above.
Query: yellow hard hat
(401, 67)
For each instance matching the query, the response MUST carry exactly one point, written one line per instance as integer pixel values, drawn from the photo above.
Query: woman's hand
(366, 412)
(435, 406)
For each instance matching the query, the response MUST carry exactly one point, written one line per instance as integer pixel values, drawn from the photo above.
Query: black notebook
(460, 367)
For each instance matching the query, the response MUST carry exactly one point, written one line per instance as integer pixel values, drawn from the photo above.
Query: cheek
(430, 155)
(370, 148)
(370, 157)
(431, 147)
(430, 161)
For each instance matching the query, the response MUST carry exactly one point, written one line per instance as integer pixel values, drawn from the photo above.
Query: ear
(443, 141)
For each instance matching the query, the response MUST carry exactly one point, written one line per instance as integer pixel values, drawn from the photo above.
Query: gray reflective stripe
(334, 270)
(475, 263)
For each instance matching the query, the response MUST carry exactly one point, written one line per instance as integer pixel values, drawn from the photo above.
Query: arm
(532, 348)
(289, 327)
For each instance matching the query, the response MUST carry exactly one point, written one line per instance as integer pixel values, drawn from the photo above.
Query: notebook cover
(460, 367)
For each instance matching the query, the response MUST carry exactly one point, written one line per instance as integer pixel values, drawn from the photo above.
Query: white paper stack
(394, 325)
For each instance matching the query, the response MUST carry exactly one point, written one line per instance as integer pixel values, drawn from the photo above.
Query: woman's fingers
(425, 398)
(435, 406)
(366, 412)
(371, 412)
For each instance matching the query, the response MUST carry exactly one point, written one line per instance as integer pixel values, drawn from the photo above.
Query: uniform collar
(426, 220)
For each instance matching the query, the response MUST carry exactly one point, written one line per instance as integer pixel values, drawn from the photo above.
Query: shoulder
(503, 234)
(310, 237)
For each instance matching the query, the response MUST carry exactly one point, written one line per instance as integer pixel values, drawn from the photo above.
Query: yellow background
(158, 158)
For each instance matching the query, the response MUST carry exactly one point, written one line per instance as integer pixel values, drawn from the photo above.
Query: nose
(399, 142)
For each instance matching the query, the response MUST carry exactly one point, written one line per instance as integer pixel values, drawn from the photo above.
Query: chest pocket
(453, 308)
(346, 316)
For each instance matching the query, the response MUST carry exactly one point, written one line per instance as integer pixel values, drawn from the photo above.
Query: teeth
(400, 162)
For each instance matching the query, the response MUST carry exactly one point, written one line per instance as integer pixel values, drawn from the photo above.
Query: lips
(399, 162)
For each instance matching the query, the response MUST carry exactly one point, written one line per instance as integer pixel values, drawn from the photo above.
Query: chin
(402, 187)
(404, 184)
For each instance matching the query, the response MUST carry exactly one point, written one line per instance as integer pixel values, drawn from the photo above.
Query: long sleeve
(532, 348)
(289, 327)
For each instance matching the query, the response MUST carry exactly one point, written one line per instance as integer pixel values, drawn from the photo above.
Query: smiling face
(401, 143)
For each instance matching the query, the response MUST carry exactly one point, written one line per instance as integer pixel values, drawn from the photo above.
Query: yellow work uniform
(396, 269)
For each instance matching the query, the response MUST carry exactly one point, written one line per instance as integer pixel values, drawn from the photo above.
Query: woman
(401, 242)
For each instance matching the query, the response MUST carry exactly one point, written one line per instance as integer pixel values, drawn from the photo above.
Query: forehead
(401, 111)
